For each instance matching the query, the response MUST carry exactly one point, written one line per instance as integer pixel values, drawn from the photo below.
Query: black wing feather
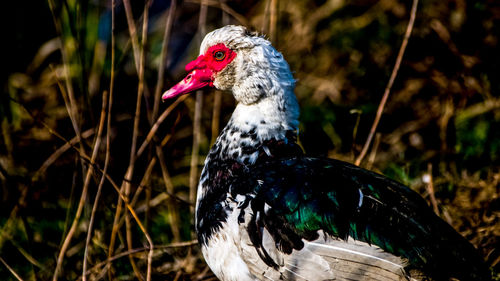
(308, 195)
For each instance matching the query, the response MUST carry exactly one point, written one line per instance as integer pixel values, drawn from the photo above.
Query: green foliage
(478, 139)
(398, 173)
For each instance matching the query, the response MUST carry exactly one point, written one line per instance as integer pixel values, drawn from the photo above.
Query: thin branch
(133, 148)
(11, 269)
(216, 116)
(60, 151)
(122, 196)
(138, 221)
(108, 177)
(395, 70)
(273, 19)
(83, 196)
(22, 251)
(108, 138)
(139, 63)
(430, 189)
(373, 152)
(193, 172)
(172, 208)
(98, 194)
(83, 156)
(133, 32)
(114, 230)
(477, 109)
(73, 107)
(73, 114)
(96, 267)
(50, 130)
(173, 211)
(355, 129)
(167, 194)
(142, 185)
(218, 94)
(157, 124)
(143, 182)
(68, 103)
(128, 235)
(163, 57)
(264, 28)
(224, 7)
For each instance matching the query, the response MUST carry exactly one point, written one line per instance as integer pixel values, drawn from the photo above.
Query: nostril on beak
(188, 78)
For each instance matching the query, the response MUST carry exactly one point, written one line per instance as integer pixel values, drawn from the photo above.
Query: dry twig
(395, 70)
(225, 8)
(11, 270)
(163, 57)
(83, 196)
(218, 94)
(60, 151)
(430, 189)
(73, 108)
(193, 173)
(373, 152)
(98, 266)
(273, 19)
(89, 161)
(157, 124)
(108, 140)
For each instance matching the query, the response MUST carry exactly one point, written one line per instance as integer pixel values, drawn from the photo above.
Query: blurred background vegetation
(80, 100)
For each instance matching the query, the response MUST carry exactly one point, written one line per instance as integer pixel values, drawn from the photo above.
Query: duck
(265, 210)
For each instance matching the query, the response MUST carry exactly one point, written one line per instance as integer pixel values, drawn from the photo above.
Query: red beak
(200, 76)
(195, 80)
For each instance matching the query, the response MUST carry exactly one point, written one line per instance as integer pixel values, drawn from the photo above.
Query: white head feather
(259, 78)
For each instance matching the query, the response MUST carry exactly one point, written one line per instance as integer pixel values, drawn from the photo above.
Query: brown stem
(373, 152)
(163, 57)
(98, 194)
(218, 94)
(83, 196)
(224, 7)
(133, 148)
(133, 32)
(173, 210)
(273, 19)
(96, 268)
(11, 270)
(123, 198)
(430, 190)
(395, 70)
(108, 136)
(60, 151)
(138, 221)
(193, 173)
(216, 116)
(157, 124)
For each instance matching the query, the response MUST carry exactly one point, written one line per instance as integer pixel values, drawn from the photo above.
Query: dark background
(440, 127)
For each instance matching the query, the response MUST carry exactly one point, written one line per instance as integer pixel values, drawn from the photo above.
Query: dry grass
(74, 208)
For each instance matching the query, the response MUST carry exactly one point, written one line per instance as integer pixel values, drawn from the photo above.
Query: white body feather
(231, 256)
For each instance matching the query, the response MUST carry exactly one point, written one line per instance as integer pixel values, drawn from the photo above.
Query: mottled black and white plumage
(265, 211)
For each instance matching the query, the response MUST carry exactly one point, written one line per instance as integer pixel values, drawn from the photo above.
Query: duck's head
(234, 59)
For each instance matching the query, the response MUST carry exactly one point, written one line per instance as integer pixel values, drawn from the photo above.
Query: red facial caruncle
(202, 70)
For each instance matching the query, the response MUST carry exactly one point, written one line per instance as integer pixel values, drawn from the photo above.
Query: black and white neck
(251, 127)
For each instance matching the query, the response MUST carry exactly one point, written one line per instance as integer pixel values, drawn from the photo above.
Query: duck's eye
(219, 55)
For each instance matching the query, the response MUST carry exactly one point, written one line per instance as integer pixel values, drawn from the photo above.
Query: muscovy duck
(266, 211)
